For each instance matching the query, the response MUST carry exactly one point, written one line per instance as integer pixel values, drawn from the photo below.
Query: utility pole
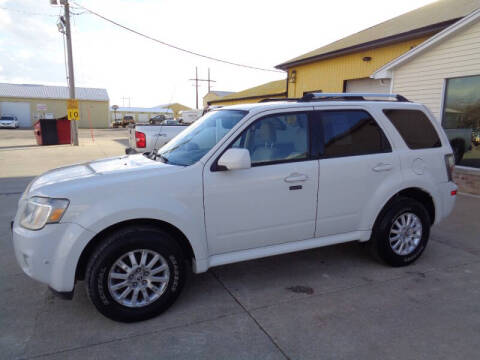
(71, 78)
(123, 101)
(197, 85)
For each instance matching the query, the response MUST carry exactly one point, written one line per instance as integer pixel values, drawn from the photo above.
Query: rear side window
(414, 127)
(350, 133)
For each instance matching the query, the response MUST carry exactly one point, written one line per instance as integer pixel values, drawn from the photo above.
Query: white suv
(243, 182)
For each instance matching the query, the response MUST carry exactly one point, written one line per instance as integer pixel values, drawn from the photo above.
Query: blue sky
(259, 33)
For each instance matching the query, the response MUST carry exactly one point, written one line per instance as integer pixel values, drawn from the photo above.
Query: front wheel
(401, 232)
(135, 274)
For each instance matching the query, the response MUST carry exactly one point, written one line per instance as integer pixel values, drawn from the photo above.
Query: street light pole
(71, 78)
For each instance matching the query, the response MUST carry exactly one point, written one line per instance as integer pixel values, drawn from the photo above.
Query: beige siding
(422, 78)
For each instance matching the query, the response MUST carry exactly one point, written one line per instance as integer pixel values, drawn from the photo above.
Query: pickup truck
(147, 137)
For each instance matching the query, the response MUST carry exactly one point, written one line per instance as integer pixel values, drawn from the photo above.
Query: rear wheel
(135, 274)
(401, 232)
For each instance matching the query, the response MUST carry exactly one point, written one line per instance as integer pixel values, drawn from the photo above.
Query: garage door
(367, 85)
(20, 109)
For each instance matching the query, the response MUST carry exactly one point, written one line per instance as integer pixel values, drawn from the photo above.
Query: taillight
(140, 139)
(450, 164)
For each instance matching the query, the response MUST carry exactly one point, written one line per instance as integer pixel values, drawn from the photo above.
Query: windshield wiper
(163, 158)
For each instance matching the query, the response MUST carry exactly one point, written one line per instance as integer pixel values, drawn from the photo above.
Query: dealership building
(30, 103)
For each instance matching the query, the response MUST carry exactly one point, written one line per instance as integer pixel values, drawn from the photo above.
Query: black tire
(119, 243)
(379, 242)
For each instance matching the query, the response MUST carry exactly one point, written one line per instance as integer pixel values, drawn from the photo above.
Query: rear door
(356, 161)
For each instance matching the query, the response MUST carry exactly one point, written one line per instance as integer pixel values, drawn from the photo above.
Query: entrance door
(20, 109)
(274, 201)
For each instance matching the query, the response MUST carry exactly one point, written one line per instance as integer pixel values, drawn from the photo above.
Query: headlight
(38, 211)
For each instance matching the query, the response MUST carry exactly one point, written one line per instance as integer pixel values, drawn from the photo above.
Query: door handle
(295, 177)
(382, 167)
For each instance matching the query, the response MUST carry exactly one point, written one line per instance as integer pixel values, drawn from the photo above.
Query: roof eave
(284, 93)
(371, 44)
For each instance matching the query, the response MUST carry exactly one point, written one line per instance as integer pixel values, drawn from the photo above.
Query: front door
(274, 201)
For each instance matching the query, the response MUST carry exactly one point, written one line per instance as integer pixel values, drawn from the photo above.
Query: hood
(122, 164)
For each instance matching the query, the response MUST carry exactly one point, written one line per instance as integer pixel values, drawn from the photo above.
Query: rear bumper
(448, 196)
(130, 151)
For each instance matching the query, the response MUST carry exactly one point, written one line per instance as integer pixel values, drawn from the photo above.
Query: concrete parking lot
(329, 303)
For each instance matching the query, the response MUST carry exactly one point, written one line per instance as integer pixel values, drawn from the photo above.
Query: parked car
(241, 183)
(8, 121)
(116, 123)
(190, 116)
(146, 137)
(159, 119)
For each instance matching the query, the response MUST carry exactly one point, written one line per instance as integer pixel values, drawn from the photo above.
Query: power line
(174, 46)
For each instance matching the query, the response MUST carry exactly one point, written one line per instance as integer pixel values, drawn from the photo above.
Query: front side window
(415, 128)
(351, 133)
(276, 138)
(461, 118)
(196, 140)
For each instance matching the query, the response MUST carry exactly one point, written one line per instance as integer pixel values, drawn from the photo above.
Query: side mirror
(235, 159)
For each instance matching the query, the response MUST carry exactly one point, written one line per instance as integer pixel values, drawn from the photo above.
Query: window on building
(461, 118)
(415, 128)
(350, 133)
(276, 138)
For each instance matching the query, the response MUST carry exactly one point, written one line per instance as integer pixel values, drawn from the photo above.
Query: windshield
(195, 141)
(7, 118)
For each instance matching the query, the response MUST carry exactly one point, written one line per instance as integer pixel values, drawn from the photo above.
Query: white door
(271, 203)
(368, 85)
(356, 161)
(20, 109)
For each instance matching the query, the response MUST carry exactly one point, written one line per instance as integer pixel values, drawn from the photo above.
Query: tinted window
(281, 137)
(351, 132)
(414, 127)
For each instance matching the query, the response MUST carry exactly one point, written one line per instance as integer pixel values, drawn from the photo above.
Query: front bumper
(50, 255)
(8, 126)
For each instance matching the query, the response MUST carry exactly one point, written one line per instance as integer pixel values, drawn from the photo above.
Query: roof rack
(279, 99)
(316, 96)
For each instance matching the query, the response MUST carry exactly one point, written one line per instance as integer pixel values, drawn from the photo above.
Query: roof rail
(314, 96)
(278, 99)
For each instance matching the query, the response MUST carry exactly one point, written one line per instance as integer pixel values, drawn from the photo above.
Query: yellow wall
(248, 101)
(209, 97)
(328, 75)
(98, 110)
(176, 108)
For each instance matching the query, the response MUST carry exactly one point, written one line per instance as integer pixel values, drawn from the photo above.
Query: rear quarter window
(414, 127)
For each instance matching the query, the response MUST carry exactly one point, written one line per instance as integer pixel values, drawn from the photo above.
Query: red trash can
(63, 131)
(45, 131)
